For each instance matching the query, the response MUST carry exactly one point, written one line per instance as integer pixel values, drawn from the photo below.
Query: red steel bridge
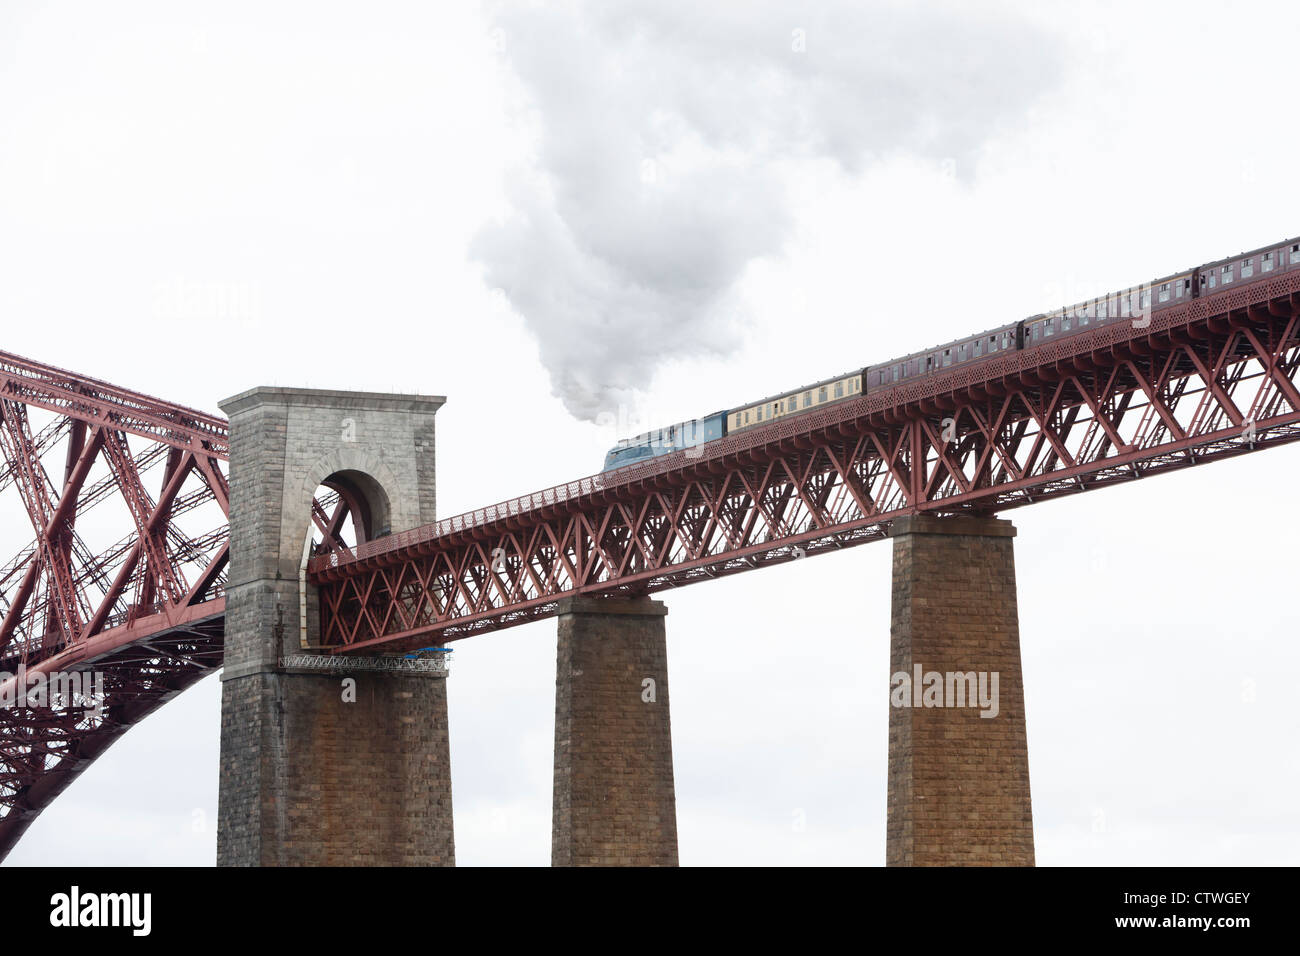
(118, 564)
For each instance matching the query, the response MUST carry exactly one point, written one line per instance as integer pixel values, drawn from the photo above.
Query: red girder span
(1208, 380)
(1211, 379)
(126, 611)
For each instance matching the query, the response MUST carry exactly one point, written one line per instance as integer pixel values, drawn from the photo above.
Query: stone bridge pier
(346, 767)
(958, 792)
(614, 801)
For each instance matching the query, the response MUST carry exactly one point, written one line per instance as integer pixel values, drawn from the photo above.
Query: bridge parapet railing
(871, 404)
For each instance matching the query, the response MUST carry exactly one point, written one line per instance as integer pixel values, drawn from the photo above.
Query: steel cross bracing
(138, 596)
(1209, 380)
(121, 574)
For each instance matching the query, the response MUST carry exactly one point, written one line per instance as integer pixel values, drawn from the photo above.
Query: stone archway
(294, 747)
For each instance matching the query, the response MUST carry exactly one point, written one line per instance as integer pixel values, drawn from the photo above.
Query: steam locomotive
(1134, 305)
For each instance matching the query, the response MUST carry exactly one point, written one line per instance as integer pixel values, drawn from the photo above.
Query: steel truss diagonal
(116, 508)
(1212, 379)
(120, 580)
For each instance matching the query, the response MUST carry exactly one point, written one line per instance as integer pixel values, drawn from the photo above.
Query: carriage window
(1227, 274)
(758, 413)
(898, 372)
(1146, 299)
(1065, 323)
(1295, 253)
(821, 394)
(807, 399)
(947, 357)
(1164, 292)
(1266, 262)
(1247, 268)
(1182, 287)
(1213, 280)
(839, 389)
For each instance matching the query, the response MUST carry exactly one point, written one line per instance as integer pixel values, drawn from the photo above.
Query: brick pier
(958, 782)
(614, 799)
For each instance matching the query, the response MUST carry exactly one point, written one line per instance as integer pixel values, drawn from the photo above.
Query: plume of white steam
(663, 126)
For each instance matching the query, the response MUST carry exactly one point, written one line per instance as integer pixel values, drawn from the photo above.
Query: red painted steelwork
(143, 606)
(1210, 379)
(1213, 378)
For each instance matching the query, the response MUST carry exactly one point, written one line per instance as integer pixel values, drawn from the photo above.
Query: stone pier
(614, 800)
(958, 781)
(338, 768)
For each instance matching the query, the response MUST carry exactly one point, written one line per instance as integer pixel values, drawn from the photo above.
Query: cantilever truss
(1209, 380)
(120, 573)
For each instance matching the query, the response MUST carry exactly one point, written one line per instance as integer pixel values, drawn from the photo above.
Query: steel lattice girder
(1209, 380)
(127, 611)
(42, 750)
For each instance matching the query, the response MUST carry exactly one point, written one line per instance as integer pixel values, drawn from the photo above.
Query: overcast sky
(584, 220)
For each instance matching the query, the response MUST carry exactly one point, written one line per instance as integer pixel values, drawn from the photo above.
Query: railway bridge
(166, 543)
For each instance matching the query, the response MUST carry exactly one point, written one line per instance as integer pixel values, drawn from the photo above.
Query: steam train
(1134, 305)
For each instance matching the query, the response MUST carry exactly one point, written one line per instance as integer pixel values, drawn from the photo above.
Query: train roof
(801, 388)
(1190, 270)
(969, 338)
(945, 345)
(1294, 240)
(1183, 273)
(638, 439)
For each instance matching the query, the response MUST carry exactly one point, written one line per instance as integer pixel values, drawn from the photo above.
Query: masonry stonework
(307, 777)
(958, 782)
(614, 801)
